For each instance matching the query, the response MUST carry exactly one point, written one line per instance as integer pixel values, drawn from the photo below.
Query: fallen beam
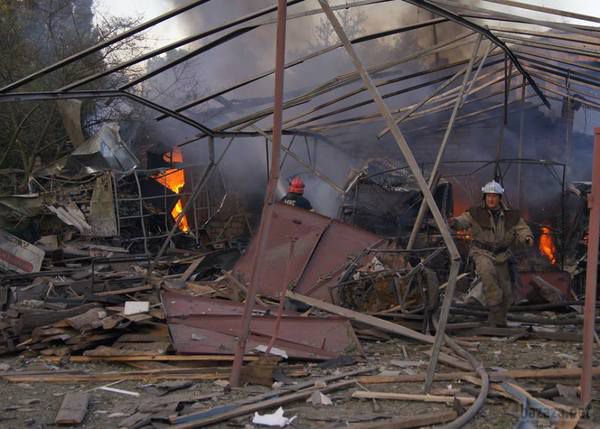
(384, 325)
(465, 400)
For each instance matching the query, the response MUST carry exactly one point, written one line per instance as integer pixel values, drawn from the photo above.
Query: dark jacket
(296, 200)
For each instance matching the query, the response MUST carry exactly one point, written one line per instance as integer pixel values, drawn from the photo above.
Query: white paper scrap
(275, 419)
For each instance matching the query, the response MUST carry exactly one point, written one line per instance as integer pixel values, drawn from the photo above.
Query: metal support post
(267, 214)
(591, 277)
(433, 178)
(416, 171)
(520, 147)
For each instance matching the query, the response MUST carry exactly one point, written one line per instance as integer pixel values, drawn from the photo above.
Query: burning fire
(546, 246)
(463, 234)
(174, 179)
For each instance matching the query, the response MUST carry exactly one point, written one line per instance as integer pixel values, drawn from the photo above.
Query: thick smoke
(346, 148)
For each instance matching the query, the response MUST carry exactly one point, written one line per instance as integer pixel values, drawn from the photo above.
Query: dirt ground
(34, 405)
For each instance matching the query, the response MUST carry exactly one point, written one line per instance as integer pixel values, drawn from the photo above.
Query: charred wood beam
(427, 5)
(57, 95)
(102, 45)
(302, 60)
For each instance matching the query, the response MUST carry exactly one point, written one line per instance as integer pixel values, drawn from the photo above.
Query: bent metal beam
(416, 171)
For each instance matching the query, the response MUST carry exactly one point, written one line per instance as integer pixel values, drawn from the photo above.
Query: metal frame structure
(562, 77)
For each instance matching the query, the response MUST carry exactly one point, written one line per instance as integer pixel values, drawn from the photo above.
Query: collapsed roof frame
(365, 75)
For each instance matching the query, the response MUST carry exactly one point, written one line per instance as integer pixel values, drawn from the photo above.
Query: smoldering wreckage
(291, 317)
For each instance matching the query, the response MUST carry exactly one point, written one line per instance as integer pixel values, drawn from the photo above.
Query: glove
(529, 241)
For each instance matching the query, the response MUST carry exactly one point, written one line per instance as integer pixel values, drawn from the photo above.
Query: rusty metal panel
(559, 279)
(203, 325)
(322, 246)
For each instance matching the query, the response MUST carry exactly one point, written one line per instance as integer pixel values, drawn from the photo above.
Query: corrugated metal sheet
(210, 326)
(322, 247)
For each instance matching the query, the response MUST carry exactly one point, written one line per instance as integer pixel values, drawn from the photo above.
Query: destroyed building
(157, 235)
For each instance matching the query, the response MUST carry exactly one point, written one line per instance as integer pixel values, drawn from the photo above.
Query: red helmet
(296, 186)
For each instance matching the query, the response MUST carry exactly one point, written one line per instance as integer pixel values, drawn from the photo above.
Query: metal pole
(267, 214)
(416, 171)
(141, 209)
(591, 277)
(520, 147)
(424, 101)
(433, 178)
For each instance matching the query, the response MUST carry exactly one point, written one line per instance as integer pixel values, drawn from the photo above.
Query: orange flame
(546, 246)
(463, 234)
(174, 179)
(174, 156)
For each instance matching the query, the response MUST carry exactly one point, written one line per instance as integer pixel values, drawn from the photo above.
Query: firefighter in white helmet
(494, 229)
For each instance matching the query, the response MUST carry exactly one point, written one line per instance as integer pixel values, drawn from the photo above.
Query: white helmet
(493, 187)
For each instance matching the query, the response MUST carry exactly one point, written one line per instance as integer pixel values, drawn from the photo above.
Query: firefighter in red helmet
(295, 196)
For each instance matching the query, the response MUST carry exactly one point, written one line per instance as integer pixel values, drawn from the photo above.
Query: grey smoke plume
(245, 167)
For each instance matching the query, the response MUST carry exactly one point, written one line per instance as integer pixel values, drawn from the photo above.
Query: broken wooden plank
(412, 378)
(124, 291)
(143, 358)
(190, 270)
(408, 422)
(541, 373)
(73, 409)
(384, 325)
(495, 376)
(211, 373)
(464, 400)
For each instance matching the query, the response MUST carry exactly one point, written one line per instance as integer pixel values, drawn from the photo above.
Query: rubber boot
(497, 317)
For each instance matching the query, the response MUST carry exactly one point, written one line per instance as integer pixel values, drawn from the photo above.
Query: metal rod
(433, 178)
(141, 208)
(267, 214)
(415, 169)
(58, 95)
(425, 4)
(591, 277)
(176, 45)
(547, 10)
(420, 104)
(476, 75)
(520, 147)
(298, 61)
(102, 45)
